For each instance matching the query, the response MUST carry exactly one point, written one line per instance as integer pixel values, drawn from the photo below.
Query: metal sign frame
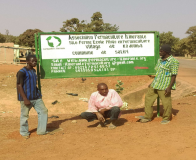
(39, 53)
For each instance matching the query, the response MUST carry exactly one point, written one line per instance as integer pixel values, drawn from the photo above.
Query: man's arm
(115, 101)
(168, 89)
(93, 108)
(174, 72)
(153, 76)
(20, 79)
(103, 110)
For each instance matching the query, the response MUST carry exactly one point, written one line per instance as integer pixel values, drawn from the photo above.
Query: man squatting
(105, 103)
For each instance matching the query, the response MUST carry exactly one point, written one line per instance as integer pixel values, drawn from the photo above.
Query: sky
(130, 15)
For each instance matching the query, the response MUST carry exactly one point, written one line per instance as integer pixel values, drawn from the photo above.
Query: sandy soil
(75, 138)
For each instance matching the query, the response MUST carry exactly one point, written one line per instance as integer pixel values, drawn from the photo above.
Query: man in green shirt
(163, 83)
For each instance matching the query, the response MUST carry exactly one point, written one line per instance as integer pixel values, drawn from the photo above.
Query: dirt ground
(75, 138)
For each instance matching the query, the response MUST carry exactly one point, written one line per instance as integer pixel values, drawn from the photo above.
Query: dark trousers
(113, 114)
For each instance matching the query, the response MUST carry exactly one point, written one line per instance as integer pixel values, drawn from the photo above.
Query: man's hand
(100, 117)
(151, 76)
(102, 111)
(27, 102)
(167, 91)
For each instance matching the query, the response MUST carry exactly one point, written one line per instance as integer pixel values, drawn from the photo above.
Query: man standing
(103, 104)
(29, 96)
(163, 83)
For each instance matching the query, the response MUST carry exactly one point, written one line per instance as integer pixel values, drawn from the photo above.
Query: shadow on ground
(52, 126)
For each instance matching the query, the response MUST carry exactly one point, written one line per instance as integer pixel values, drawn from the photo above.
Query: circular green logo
(53, 41)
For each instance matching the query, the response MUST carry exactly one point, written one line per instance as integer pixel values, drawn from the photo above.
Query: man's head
(31, 60)
(165, 50)
(103, 89)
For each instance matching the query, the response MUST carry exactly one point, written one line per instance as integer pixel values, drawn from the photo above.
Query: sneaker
(165, 122)
(101, 124)
(140, 117)
(112, 125)
(144, 120)
(107, 122)
(47, 132)
(26, 137)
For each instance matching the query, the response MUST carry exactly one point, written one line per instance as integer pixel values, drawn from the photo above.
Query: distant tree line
(179, 46)
(24, 39)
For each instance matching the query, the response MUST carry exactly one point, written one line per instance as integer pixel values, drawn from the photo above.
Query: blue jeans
(42, 112)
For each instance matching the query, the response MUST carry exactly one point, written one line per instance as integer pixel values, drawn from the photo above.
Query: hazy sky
(130, 15)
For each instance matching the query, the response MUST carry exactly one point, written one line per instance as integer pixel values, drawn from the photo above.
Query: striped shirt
(164, 71)
(28, 79)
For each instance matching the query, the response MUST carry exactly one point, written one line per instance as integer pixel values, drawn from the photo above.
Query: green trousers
(150, 98)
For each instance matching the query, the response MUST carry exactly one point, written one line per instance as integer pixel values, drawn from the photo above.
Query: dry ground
(76, 139)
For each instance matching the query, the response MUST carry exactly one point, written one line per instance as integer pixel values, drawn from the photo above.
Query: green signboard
(95, 54)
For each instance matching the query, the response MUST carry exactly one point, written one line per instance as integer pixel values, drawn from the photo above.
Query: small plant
(119, 89)
(125, 106)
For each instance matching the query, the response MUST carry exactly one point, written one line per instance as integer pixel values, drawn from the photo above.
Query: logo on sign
(53, 41)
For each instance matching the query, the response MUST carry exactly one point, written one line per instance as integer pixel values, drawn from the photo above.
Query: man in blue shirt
(29, 96)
